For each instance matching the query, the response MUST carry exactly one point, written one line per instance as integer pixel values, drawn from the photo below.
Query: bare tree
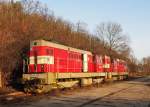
(111, 35)
(81, 27)
(146, 64)
(146, 60)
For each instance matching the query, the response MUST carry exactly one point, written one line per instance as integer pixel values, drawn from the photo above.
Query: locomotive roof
(56, 45)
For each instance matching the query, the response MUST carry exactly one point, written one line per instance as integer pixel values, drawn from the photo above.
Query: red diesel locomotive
(57, 65)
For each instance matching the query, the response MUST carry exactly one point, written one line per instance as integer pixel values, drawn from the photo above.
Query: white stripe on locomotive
(42, 60)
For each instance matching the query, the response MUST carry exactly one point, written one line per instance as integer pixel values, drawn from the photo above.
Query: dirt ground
(132, 93)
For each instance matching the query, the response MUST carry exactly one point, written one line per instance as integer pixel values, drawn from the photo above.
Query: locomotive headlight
(42, 67)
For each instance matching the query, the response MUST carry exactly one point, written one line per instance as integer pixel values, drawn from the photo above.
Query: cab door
(85, 62)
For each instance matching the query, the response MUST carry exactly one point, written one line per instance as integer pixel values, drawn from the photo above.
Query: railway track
(126, 93)
(134, 83)
(100, 98)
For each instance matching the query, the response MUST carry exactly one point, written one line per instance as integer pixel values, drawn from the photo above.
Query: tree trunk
(0, 79)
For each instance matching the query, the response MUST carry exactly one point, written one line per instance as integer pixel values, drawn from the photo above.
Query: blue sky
(133, 15)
